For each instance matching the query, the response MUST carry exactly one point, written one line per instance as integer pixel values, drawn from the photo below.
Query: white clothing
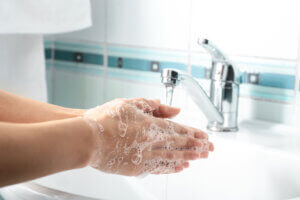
(22, 23)
(22, 66)
(44, 16)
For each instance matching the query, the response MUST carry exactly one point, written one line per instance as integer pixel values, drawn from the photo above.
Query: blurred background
(132, 40)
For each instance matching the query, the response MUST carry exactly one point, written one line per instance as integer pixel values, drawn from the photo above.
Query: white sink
(261, 161)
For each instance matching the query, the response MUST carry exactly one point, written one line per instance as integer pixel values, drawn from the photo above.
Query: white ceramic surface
(261, 161)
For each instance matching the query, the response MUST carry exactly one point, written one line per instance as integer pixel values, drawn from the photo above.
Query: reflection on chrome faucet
(221, 108)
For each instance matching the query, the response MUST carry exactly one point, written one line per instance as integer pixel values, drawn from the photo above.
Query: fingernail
(174, 108)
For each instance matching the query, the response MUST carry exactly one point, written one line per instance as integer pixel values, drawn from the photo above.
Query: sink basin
(261, 161)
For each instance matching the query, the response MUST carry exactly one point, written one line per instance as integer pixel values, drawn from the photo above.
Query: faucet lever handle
(215, 53)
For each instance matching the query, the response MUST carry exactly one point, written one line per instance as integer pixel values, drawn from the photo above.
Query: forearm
(18, 109)
(29, 151)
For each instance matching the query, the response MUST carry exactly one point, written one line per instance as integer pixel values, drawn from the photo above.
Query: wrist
(74, 139)
(89, 139)
(70, 112)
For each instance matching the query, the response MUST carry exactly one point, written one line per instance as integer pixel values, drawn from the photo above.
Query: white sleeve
(44, 16)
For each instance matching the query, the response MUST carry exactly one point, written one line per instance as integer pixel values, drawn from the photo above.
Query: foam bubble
(132, 138)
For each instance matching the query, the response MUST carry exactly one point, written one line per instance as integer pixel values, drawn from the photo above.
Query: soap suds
(134, 135)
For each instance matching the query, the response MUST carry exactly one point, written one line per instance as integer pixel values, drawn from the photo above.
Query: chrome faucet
(221, 108)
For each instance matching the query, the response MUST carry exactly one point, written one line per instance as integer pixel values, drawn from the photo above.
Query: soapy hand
(134, 138)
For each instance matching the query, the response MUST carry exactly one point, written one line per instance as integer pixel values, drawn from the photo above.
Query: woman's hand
(133, 138)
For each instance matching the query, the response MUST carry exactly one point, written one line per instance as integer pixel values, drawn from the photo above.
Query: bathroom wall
(132, 40)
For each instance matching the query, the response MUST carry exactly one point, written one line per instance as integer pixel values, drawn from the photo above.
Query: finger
(171, 155)
(186, 164)
(156, 108)
(147, 105)
(211, 146)
(170, 170)
(204, 154)
(164, 111)
(180, 142)
(173, 127)
(181, 129)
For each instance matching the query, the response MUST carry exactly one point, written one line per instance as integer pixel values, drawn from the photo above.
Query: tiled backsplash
(132, 40)
(265, 79)
(78, 77)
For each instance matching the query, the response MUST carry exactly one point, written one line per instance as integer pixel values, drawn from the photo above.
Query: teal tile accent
(112, 61)
(243, 77)
(198, 71)
(48, 44)
(142, 64)
(179, 66)
(64, 55)
(263, 92)
(282, 81)
(148, 54)
(48, 64)
(136, 64)
(277, 80)
(95, 59)
(129, 63)
(89, 58)
(48, 53)
(265, 64)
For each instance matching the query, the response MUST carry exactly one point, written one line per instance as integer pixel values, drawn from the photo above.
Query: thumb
(165, 111)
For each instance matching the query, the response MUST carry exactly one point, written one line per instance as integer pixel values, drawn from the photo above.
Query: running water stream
(169, 98)
(169, 95)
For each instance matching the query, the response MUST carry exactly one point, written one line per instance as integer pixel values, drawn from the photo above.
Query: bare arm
(19, 109)
(129, 131)
(29, 151)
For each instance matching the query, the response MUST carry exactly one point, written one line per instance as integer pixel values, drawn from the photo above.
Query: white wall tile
(77, 90)
(256, 28)
(96, 33)
(153, 23)
(116, 88)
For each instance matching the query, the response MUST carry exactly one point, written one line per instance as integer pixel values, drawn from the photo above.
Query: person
(125, 136)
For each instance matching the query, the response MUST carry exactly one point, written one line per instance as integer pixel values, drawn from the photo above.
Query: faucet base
(222, 129)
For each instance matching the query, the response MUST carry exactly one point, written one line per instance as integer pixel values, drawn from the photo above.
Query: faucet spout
(172, 77)
(202, 100)
(221, 106)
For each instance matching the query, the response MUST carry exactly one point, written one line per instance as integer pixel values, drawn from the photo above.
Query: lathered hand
(134, 138)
